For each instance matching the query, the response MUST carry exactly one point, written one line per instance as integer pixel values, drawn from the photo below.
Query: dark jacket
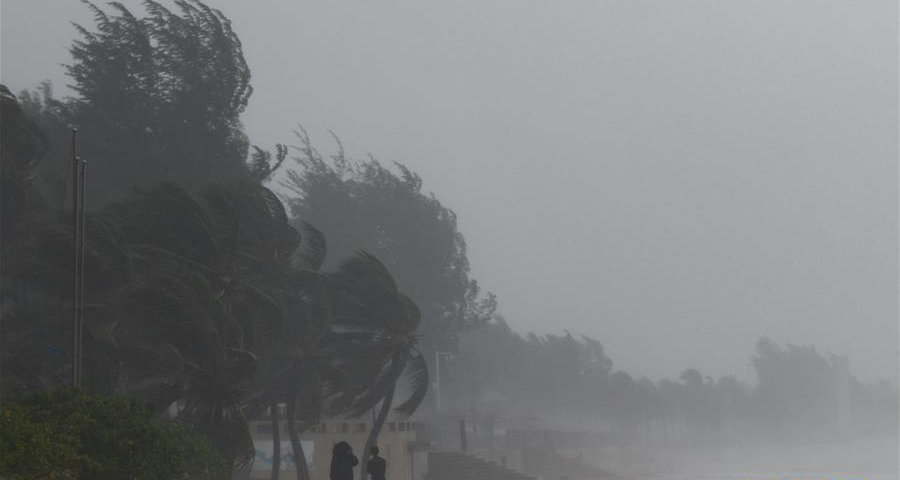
(376, 468)
(342, 466)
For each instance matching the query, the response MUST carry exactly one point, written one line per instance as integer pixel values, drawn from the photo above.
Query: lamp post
(79, 170)
(437, 377)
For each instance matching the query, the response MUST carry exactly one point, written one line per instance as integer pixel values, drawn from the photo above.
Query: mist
(661, 228)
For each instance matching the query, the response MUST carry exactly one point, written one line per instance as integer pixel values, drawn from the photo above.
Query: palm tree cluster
(203, 300)
(201, 295)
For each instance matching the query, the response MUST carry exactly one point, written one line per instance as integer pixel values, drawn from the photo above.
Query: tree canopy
(159, 98)
(364, 205)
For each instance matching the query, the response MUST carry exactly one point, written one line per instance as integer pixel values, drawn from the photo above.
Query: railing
(265, 426)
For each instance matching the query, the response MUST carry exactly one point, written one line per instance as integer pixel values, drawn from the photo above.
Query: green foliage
(30, 449)
(69, 434)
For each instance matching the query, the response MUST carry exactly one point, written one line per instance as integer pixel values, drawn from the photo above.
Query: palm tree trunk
(376, 429)
(297, 447)
(276, 441)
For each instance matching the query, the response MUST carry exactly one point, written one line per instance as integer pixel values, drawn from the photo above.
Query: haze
(653, 174)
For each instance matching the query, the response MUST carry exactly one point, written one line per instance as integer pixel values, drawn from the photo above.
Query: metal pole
(463, 443)
(81, 264)
(437, 381)
(76, 378)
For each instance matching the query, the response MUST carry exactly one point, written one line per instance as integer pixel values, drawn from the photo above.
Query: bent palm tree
(215, 282)
(374, 311)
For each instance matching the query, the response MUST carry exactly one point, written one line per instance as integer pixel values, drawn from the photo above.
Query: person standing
(376, 466)
(342, 462)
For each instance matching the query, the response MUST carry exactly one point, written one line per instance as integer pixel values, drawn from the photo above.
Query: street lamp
(79, 173)
(437, 377)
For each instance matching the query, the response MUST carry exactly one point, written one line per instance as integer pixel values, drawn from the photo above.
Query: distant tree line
(800, 393)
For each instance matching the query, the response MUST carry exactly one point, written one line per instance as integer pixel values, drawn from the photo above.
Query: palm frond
(313, 248)
(379, 387)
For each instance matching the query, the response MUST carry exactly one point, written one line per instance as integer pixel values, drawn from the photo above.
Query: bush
(71, 434)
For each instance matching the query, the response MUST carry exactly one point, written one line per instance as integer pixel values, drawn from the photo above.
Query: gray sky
(675, 178)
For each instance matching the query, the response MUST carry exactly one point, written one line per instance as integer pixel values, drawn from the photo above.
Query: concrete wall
(394, 442)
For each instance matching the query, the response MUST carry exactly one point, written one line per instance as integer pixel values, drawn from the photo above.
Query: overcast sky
(674, 178)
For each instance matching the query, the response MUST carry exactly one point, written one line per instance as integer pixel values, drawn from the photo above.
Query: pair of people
(343, 461)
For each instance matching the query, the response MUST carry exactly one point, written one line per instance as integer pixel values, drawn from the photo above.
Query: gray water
(864, 459)
(776, 476)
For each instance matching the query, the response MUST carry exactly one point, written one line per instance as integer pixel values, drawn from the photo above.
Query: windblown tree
(200, 294)
(21, 152)
(236, 291)
(210, 300)
(158, 99)
(383, 321)
(300, 364)
(796, 385)
(22, 148)
(549, 373)
(363, 205)
(243, 265)
(181, 288)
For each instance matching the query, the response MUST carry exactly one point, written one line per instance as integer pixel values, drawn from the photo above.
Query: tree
(385, 321)
(181, 285)
(216, 274)
(695, 405)
(208, 298)
(549, 373)
(795, 385)
(22, 147)
(297, 357)
(70, 434)
(159, 99)
(362, 205)
(189, 283)
(732, 398)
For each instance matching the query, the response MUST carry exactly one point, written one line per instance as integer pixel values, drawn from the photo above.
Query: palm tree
(373, 310)
(159, 323)
(211, 299)
(218, 277)
(296, 368)
(304, 355)
(280, 271)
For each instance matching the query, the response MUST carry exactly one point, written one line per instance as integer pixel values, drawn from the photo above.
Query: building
(397, 442)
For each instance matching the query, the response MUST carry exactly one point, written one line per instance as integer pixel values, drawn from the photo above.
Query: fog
(687, 169)
(674, 179)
